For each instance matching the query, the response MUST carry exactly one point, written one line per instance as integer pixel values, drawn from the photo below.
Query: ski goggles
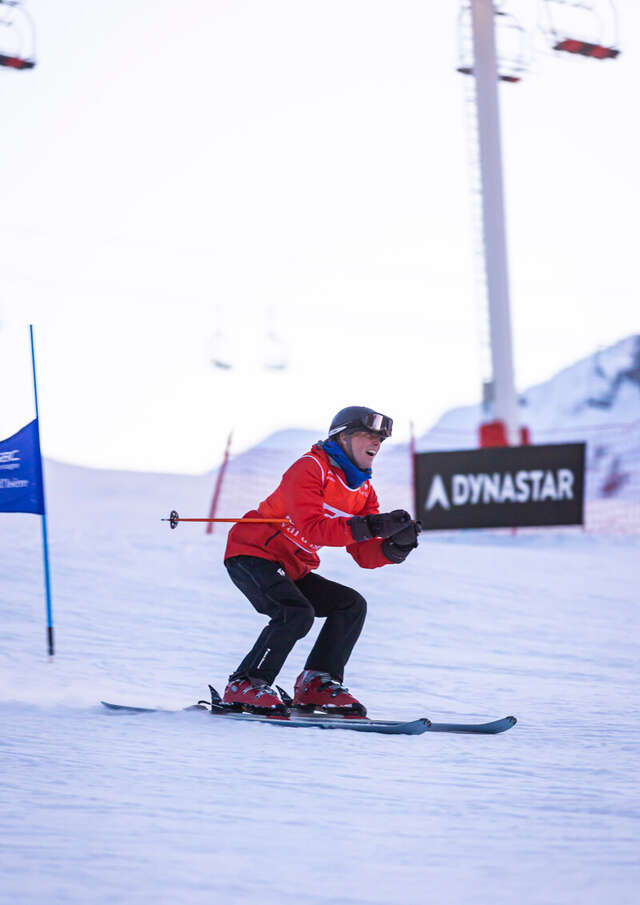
(371, 421)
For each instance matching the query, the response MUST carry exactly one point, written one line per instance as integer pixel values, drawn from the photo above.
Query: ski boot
(318, 691)
(253, 696)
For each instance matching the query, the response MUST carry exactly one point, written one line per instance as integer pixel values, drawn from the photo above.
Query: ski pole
(174, 518)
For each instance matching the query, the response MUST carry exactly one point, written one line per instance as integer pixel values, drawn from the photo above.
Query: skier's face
(364, 447)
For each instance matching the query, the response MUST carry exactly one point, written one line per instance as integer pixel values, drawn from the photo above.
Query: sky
(182, 182)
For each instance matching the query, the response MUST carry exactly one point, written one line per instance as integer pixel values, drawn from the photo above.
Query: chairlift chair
(17, 36)
(589, 27)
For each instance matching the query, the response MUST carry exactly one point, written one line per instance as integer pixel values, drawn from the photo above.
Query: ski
(492, 728)
(387, 727)
(324, 721)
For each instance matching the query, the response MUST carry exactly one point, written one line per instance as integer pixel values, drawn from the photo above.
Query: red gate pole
(218, 487)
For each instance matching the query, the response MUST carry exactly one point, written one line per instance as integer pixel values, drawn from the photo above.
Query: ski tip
(492, 728)
(502, 725)
(127, 708)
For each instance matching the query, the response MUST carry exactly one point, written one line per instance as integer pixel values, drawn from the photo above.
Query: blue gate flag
(21, 472)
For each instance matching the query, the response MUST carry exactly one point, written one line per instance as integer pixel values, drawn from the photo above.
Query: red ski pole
(174, 518)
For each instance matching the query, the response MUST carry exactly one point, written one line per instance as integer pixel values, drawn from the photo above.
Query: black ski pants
(292, 607)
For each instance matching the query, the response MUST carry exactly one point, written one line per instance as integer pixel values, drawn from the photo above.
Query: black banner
(500, 487)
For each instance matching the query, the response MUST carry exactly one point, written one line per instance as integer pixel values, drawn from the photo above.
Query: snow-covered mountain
(596, 400)
(600, 390)
(603, 389)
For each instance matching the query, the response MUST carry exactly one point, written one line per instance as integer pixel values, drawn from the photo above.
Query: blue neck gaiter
(355, 476)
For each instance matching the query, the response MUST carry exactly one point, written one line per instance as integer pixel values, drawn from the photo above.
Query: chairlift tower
(503, 399)
(488, 68)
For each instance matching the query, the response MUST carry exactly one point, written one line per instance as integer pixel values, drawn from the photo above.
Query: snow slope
(107, 808)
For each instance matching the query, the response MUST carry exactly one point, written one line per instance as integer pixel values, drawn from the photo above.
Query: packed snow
(180, 808)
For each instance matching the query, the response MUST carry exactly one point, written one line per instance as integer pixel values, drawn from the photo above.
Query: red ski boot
(318, 691)
(252, 695)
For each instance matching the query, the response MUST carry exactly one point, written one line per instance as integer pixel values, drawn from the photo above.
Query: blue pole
(45, 542)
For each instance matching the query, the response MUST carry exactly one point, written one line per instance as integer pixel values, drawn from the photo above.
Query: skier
(328, 500)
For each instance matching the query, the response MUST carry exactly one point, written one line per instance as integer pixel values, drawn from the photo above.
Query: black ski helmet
(359, 417)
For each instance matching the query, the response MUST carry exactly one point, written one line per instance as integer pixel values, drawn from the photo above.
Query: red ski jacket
(314, 495)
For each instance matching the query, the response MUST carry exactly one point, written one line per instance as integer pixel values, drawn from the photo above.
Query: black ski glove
(400, 545)
(364, 527)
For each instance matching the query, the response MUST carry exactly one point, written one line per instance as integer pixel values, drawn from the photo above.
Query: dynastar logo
(534, 486)
(501, 487)
(9, 459)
